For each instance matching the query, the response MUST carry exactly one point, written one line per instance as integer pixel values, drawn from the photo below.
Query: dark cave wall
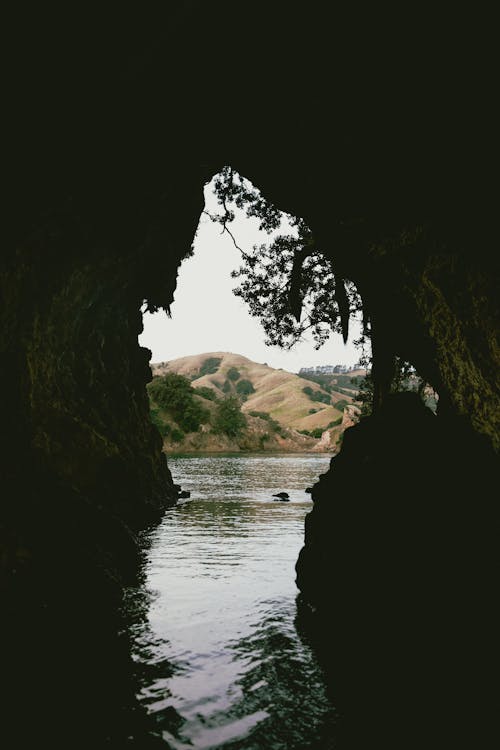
(426, 274)
(433, 299)
(81, 465)
(396, 578)
(106, 181)
(78, 448)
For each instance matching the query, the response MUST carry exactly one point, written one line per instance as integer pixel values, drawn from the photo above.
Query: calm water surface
(230, 669)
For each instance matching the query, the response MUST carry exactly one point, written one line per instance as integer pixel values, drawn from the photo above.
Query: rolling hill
(278, 394)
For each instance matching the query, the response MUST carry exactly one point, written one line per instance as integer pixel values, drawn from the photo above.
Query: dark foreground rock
(396, 579)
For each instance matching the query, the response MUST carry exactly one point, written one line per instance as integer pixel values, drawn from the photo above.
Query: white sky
(207, 317)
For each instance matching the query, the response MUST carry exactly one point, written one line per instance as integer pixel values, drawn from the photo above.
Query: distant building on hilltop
(327, 370)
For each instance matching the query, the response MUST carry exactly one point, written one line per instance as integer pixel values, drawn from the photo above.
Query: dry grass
(277, 392)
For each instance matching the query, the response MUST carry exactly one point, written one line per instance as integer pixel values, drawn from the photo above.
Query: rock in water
(283, 496)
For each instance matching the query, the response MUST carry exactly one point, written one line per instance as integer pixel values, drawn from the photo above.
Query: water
(227, 666)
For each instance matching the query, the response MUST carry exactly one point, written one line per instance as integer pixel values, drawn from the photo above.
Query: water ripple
(226, 667)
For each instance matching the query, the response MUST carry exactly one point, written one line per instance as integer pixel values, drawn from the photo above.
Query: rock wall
(396, 579)
(76, 415)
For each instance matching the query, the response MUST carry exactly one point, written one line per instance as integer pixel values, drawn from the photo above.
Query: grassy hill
(277, 392)
(280, 414)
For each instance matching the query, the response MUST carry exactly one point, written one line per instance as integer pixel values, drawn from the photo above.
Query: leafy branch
(287, 283)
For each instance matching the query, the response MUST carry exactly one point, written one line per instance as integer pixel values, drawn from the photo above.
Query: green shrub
(343, 391)
(335, 423)
(226, 388)
(313, 411)
(341, 405)
(210, 365)
(229, 418)
(206, 392)
(177, 435)
(325, 381)
(162, 427)
(233, 374)
(317, 432)
(245, 388)
(316, 395)
(324, 398)
(175, 394)
(305, 432)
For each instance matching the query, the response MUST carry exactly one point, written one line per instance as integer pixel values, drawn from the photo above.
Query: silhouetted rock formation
(398, 568)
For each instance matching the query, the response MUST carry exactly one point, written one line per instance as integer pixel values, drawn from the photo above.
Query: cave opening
(81, 448)
(83, 454)
(225, 613)
(231, 521)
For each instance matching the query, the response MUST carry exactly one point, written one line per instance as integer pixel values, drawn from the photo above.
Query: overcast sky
(207, 317)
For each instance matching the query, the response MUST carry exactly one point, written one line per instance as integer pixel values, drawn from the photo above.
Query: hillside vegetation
(224, 401)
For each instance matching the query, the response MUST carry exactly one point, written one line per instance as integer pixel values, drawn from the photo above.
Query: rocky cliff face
(396, 577)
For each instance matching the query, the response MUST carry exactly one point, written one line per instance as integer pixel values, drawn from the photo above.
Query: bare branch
(228, 231)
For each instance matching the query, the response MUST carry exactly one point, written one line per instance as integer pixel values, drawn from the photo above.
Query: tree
(229, 418)
(245, 388)
(210, 366)
(206, 392)
(316, 395)
(174, 393)
(233, 374)
(288, 284)
(292, 287)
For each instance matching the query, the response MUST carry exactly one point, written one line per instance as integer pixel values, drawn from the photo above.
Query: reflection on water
(222, 664)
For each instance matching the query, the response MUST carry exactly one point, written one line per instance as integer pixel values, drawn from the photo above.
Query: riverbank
(256, 438)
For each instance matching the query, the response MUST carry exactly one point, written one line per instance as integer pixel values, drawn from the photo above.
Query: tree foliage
(233, 374)
(288, 283)
(341, 404)
(245, 388)
(206, 392)
(162, 426)
(316, 433)
(291, 288)
(175, 394)
(229, 418)
(323, 398)
(210, 366)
